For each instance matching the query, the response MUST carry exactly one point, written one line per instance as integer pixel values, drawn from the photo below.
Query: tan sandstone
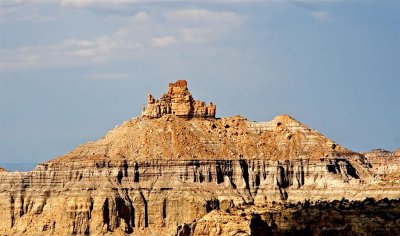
(178, 101)
(176, 164)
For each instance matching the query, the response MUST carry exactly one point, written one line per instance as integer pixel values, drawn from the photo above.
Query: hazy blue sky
(73, 69)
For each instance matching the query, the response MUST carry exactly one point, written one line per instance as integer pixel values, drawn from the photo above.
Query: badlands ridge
(178, 170)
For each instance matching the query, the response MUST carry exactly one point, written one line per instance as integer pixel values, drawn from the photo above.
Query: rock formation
(338, 217)
(178, 101)
(384, 164)
(161, 173)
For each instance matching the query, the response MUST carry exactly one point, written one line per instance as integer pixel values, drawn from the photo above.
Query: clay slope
(147, 176)
(233, 138)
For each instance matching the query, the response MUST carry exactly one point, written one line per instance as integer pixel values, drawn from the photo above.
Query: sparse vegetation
(337, 217)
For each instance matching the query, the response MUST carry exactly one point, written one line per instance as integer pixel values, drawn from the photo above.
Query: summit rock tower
(178, 101)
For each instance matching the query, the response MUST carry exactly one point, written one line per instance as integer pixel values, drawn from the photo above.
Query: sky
(70, 70)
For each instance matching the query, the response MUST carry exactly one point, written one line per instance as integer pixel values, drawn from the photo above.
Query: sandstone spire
(178, 101)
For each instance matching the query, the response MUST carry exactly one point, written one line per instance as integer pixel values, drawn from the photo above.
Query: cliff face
(158, 176)
(384, 164)
(178, 101)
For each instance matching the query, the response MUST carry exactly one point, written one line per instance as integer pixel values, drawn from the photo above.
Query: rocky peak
(381, 153)
(173, 176)
(178, 101)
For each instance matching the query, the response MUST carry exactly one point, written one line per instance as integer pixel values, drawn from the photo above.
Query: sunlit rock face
(177, 164)
(178, 101)
(384, 164)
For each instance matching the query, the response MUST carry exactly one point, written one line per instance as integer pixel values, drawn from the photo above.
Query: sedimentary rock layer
(159, 173)
(174, 138)
(384, 164)
(143, 197)
(178, 101)
(150, 175)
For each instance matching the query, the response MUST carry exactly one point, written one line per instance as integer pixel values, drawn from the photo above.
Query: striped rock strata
(150, 176)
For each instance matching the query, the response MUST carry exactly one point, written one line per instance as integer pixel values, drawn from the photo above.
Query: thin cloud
(101, 3)
(201, 25)
(17, 3)
(108, 76)
(205, 16)
(163, 41)
(195, 35)
(123, 3)
(141, 16)
(97, 49)
(314, 8)
(68, 52)
(25, 11)
(135, 40)
(321, 16)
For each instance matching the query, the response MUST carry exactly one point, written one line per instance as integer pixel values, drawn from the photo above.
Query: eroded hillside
(176, 164)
